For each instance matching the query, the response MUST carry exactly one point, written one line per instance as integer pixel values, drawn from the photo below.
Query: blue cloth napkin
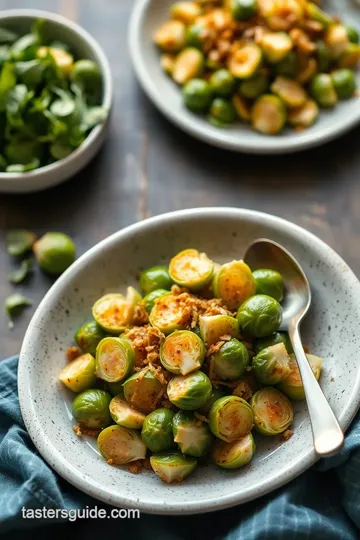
(322, 504)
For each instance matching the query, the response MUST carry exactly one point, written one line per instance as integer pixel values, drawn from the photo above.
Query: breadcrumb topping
(72, 353)
(286, 435)
(146, 341)
(81, 430)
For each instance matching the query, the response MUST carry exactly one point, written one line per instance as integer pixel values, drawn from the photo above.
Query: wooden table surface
(148, 167)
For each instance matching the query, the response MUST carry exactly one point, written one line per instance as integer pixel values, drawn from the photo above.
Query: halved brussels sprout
(308, 68)
(167, 62)
(336, 38)
(157, 431)
(350, 57)
(113, 312)
(193, 436)
(259, 316)
(191, 269)
(168, 314)
(172, 468)
(171, 36)
(269, 282)
(276, 46)
(182, 352)
(242, 10)
(188, 64)
(156, 277)
(114, 359)
(196, 33)
(323, 91)
(236, 454)
(231, 360)
(292, 386)
(314, 12)
(242, 108)
(79, 375)
(234, 283)
(89, 336)
(344, 82)
(268, 115)
(305, 115)
(91, 409)
(289, 91)
(142, 390)
(245, 60)
(119, 445)
(231, 418)
(254, 87)
(189, 392)
(273, 412)
(222, 112)
(274, 339)
(149, 299)
(213, 327)
(216, 393)
(185, 12)
(283, 14)
(222, 82)
(271, 365)
(124, 415)
(197, 95)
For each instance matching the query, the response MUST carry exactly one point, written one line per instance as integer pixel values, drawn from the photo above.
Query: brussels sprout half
(124, 415)
(142, 390)
(216, 393)
(231, 418)
(113, 312)
(187, 65)
(259, 316)
(271, 365)
(79, 375)
(89, 336)
(114, 359)
(182, 352)
(289, 91)
(245, 60)
(292, 386)
(304, 116)
(269, 282)
(274, 339)
(171, 36)
(91, 408)
(156, 277)
(172, 468)
(149, 299)
(157, 431)
(191, 269)
(273, 412)
(234, 283)
(268, 114)
(231, 360)
(189, 392)
(193, 436)
(167, 314)
(276, 46)
(119, 445)
(236, 454)
(213, 327)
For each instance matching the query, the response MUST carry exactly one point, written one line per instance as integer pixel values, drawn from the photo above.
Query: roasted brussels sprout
(119, 445)
(317, 14)
(167, 314)
(230, 418)
(189, 392)
(242, 10)
(245, 60)
(222, 110)
(344, 83)
(114, 359)
(273, 412)
(242, 108)
(182, 352)
(212, 327)
(142, 390)
(336, 38)
(193, 436)
(195, 34)
(55, 252)
(171, 36)
(150, 298)
(216, 393)
(156, 277)
(222, 83)
(271, 365)
(79, 375)
(157, 432)
(259, 316)
(322, 90)
(186, 12)
(268, 114)
(113, 312)
(350, 57)
(231, 360)
(254, 87)
(124, 415)
(191, 269)
(292, 386)
(197, 95)
(236, 454)
(289, 91)
(172, 468)
(89, 336)
(234, 283)
(269, 282)
(91, 409)
(276, 46)
(187, 65)
(305, 115)
(274, 339)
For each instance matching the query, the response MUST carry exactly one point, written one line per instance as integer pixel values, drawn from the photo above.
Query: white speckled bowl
(331, 330)
(149, 14)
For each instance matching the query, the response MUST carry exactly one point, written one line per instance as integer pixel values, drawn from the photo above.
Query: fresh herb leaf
(30, 72)
(19, 241)
(7, 36)
(7, 81)
(94, 116)
(22, 272)
(14, 304)
(19, 168)
(25, 47)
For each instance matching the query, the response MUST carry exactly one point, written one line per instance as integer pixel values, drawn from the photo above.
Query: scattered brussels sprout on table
(55, 252)
(171, 380)
(258, 62)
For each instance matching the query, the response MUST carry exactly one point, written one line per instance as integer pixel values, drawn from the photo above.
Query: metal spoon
(264, 253)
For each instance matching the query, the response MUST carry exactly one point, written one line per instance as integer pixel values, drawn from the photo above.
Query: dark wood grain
(148, 167)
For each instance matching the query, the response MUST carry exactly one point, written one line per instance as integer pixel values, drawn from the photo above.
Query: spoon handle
(328, 436)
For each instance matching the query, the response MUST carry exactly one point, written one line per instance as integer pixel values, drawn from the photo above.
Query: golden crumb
(135, 466)
(286, 435)
(146, 464)
(72, 353)
(141, 316)
(77, 430)
(246, 386)
(146, 341)
(110, 461)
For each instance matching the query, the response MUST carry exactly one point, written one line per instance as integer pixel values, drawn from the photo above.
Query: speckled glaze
(331, 330)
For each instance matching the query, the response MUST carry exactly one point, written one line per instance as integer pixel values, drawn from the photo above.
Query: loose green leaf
(59, 150)
(19, 275)
(94, 116)
(19, 168)
(30, 72)
(7, 36)
(14, 304)
(25, 47)
(7, 81)
(19, 241)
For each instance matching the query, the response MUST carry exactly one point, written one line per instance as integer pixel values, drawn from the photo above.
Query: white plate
(331, 330)
(149, 14)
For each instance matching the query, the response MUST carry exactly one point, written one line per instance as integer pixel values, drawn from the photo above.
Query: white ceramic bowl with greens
(84, 46)
(331, 330)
